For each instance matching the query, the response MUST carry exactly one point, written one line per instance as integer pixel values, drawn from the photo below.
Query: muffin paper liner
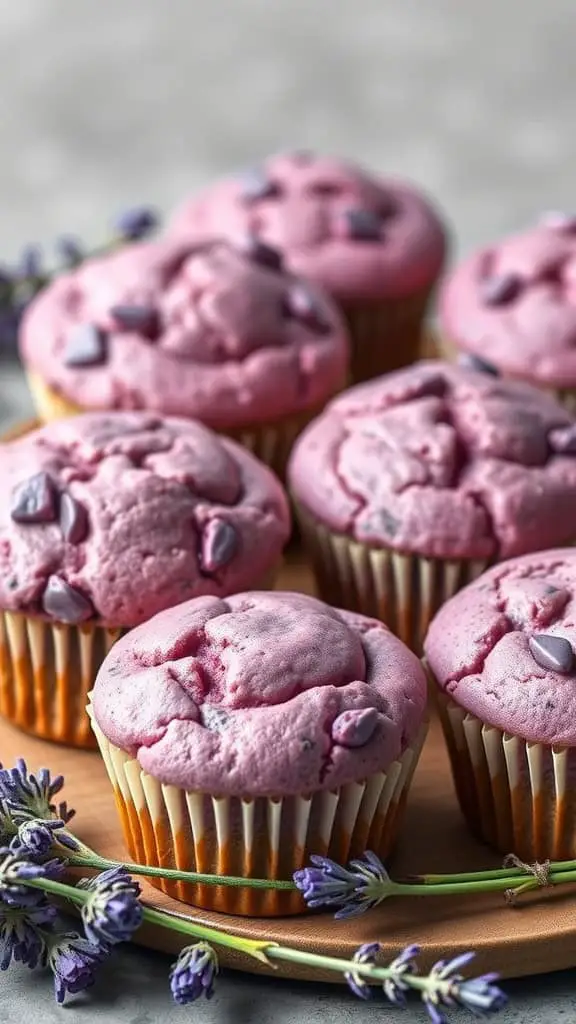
(403, 590)
(518, 797)
(262, 837)
(46, 672)
(270, 442)
(387, 335)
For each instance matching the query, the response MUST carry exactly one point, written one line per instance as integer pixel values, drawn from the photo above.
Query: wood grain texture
(535, 937)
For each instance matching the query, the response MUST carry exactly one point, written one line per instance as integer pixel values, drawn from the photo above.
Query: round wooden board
(537, 936)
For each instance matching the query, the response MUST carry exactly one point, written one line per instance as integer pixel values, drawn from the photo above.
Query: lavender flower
(16, 868)
(73, 961)
(112, 912)
(28, 796)
(22, 934)
(396, 987)
(136, 223)
(30, 265)
(365, 954)
(447, 988)
(352, 890)
(36, 838)
(193, 974)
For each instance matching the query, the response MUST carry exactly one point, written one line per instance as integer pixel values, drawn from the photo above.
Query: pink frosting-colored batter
(444, 462)
(263, 694)
(514, 304)
(168, 511)
(300, 203)
(228, 340)
(478, 647)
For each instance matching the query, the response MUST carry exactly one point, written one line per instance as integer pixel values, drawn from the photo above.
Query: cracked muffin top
(218, 333)
(114, 517)
(201, 692)
(513, 304)
(504, 647)
(361, 237)
(444, 462)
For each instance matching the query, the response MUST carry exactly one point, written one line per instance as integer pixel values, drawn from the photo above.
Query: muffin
(502, 654)
(109, 519)
(375, 244)
(243, 735)
(217, 333)
(411, 485)
(512, 305)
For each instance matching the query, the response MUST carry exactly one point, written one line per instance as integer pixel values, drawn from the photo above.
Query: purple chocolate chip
(136, 318)
(86, 345)
(563, 440)
(499, 289)
(303, 306)
(255, 249)
(552, 652)
(219, 545)
(255, 184)
(354, 728)
(471, 362)
(214, 718)
(73, 520)
(64, 603)
(364, 225)
(34, 501)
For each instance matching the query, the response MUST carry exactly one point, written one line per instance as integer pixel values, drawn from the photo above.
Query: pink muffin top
(115, 517)
(514, 304)
(362, 238)
(213, 332)
(504, 647)
(444, 462)
(261, 694)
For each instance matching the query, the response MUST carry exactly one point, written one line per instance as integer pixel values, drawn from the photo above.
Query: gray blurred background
(108, 103)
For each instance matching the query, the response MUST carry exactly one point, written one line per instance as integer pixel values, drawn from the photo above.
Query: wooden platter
(537, 936)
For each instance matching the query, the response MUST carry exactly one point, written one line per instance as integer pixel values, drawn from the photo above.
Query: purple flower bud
(352, 890)
(193, 974)
(112, 912)
(73, 961)
(30, 262)
(69, 251)
(136, 223)
(365, 954)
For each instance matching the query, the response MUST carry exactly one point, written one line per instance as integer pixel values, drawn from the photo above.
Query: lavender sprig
(112, 911)
(353, 890)
(27, 795)
(193, 974)
(73, 961)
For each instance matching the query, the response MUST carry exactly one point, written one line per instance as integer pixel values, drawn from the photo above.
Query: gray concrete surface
(112, 102)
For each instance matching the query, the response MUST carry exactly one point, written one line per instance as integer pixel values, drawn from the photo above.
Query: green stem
(193, 877)
(480, 876)
(187, 926)
(498, 884)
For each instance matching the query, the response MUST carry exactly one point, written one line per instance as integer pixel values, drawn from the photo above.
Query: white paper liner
(403, 590)
(46, 672)
(517, 796)
(260, 837)
(385, 335)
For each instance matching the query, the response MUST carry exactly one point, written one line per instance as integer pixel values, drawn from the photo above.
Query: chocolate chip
(470, 362)
(73, 520)
(86, 345)
(255, 184)
(389, 522)
(301, 305)
(219, 545)
(363, 225)
(136, 318)
(354, 728)
(214, 718)
(552, 652)
(499, 289)
(64, 603)
(563, 440)
(255, 249)
(34, 501)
